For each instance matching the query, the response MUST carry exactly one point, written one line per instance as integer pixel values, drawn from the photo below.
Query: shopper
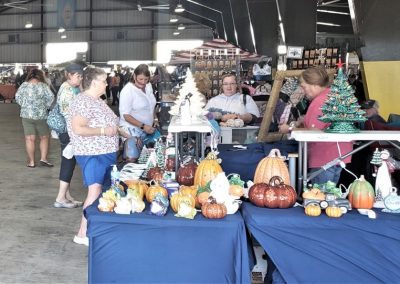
(230, 104)
(137, 107)
(68, 90)
(92, 127)
(315, 82)
(35, 98)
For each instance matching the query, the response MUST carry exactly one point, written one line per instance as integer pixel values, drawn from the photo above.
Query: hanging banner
(66, 13)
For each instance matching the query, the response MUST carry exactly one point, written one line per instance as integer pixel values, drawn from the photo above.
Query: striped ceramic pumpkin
(272, 165)
(361, 194)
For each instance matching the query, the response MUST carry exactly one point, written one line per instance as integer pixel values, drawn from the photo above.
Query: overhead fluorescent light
(332, 12)
(179, 8)
(28, 25)
(61, 30)
(327, 24)
(173, 19)
(63, 36)
(139, 7)
(176, 33)
(181, 27)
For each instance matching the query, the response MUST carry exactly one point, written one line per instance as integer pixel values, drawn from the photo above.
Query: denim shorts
(97, 168)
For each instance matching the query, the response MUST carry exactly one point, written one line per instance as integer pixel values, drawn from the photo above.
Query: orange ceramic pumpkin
(192, 190)
(361, 194)
(213, 210)
(207, 170)
(272, 165)
(153, 190)
(178, 198)
(139, 185)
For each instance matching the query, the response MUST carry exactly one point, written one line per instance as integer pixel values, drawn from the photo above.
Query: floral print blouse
(98, 114)
(34, 99)
(65, 96)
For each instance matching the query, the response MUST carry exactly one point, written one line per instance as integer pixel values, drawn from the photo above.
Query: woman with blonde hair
(92, 127)
(35, 98)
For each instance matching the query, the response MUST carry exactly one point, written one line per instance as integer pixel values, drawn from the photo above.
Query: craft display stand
(215, 63)
(200, 127)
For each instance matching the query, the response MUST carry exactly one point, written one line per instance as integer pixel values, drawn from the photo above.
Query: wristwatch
(142, 126)
(292, 125)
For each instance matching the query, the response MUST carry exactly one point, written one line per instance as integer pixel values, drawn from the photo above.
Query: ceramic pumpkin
(256, 193)
(312, 210)
(272, 165)
(178, 198)
(170, 164)
(314, 193)
(333, 211)
(207, 170)
(202, 198)
(139, 185)
(155, 173)
(213, 210)
(186, 174)
(192, 190)
(235, 186)
(278, 194)
(153, 190)
(361, 194)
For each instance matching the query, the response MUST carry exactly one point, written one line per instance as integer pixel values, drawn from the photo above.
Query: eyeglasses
(103, 81)
(229, 84)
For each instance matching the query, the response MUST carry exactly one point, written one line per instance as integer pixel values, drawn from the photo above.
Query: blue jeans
(332, 174)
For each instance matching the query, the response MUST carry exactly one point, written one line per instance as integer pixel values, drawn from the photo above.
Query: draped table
(350, 249)
(145, 248)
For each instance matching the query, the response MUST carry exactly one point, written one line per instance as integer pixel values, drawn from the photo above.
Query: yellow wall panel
(383, 82)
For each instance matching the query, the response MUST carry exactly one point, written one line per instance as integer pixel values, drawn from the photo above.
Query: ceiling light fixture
(28, 25)
(332, 12)
(173, 19)
(176, 33)
(63, 36)
(181, 27)
(61, 30)
(327, 24)
(179, 8)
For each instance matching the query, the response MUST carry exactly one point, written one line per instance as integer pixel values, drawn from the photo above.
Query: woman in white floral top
(92, 127)
(35, 98)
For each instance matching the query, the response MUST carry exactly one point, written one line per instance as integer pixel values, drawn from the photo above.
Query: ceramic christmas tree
(189, 94)
(376, 158)
(341, 108)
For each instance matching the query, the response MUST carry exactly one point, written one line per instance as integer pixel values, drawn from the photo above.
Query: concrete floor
(35, 238)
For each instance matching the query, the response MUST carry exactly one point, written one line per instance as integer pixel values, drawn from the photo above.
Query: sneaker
(81, 240)
(65, 204)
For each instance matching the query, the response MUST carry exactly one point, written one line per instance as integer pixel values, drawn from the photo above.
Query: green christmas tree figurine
(341, 108)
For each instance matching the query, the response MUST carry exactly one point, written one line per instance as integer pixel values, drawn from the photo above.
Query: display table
(8, 91)
(140, 248)
(200, 126)
(350, 249)
(305, 136)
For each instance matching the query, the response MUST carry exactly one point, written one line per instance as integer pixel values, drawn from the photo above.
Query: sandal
(46, 164)
(30, 166)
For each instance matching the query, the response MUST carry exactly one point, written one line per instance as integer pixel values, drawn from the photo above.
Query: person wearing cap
(68, 90)
(371, 109)
(35, 98)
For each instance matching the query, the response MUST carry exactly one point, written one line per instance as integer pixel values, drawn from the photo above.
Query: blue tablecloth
(146, 248)
(350, 249)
